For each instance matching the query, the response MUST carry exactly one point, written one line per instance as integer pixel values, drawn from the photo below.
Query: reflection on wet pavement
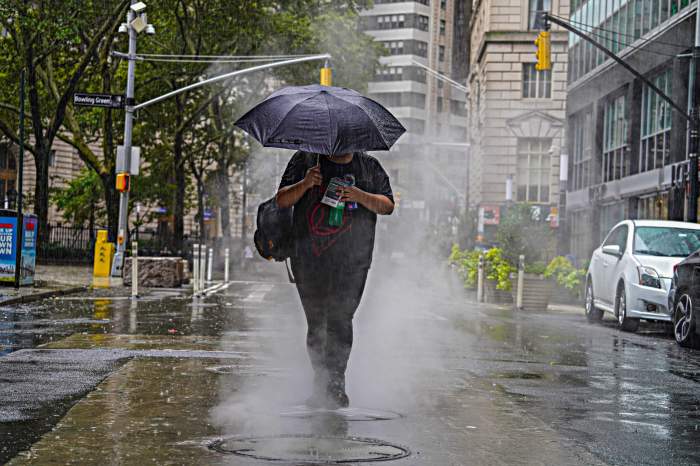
(469, 384)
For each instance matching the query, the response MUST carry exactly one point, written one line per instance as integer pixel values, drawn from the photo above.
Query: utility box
(10, 247)
(104, 252)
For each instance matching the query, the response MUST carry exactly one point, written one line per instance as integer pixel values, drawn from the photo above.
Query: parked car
(683, 297)
(630, 273)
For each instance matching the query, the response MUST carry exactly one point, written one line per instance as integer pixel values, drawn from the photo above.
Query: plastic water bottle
(335, 218)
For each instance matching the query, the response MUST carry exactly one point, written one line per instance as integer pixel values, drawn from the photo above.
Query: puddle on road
(311, 449)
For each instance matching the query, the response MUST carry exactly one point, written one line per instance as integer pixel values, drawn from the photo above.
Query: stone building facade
(517, 114)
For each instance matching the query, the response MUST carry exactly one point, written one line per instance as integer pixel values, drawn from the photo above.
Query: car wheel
(624, 323)
(684, 322)
(593, 314)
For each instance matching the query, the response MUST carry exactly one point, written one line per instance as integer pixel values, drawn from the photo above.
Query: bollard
(521, 281)
(195, 269)
(134, 269)
(480, 280)
(209, 264)
(226, 265)
(202, 266)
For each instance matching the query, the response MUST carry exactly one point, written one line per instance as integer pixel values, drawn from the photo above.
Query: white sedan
(630, 273)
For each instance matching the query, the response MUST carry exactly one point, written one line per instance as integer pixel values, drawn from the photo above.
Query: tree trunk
(41, 190)
(112, 204)
(244, 204)
(180, 185)
(224, 194)
(200, 210)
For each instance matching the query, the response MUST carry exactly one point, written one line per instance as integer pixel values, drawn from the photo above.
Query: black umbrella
(323, 120)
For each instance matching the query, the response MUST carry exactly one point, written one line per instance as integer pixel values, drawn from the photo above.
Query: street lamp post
(135, 23)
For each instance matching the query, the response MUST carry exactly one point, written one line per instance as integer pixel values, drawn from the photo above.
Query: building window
(536, 84)
(535, 6)
(656, 125)
(441, 53)
(394, 47)
(615, 160)
(534, 169)
(423, 23)
(582, 147)
(443, 4)
(422, 49)
(439, 104)
(390, 21)
(442, 27)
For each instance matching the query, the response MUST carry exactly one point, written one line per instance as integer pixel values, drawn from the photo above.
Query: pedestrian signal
(544, 51)
(123, 182)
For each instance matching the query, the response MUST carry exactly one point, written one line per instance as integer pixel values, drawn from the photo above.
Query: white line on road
(258, 293)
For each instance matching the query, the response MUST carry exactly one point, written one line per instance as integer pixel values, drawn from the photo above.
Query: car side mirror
(612, 249)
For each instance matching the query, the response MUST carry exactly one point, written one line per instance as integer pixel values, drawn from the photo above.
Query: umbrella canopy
(323, 120)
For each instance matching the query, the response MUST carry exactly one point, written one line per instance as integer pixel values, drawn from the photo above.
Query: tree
(54, 42)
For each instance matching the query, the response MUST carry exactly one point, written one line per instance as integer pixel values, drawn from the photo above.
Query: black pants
(330, 296)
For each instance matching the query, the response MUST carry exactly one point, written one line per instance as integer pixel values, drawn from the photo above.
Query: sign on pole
(98, 100)
(135, 160)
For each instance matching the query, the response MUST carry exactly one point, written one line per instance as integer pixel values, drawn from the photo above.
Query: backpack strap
(289, 272)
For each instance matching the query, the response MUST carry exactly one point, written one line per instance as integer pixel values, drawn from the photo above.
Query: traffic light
(544, 51)
(326, 75)
(123, 182)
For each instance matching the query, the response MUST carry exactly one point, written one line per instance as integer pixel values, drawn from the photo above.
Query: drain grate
(311, 449)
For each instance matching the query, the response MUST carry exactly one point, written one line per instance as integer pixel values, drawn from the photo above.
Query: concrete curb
(42, 295)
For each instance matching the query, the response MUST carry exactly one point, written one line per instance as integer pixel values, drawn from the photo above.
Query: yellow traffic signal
(326, 75)
(544, 51)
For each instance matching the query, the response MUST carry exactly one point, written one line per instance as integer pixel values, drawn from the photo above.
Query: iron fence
(76, 245)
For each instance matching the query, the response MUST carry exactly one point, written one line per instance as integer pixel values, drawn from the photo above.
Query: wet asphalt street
(434, 379)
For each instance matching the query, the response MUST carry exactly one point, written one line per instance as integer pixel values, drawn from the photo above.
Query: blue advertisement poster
(28, 263)
(8, 248)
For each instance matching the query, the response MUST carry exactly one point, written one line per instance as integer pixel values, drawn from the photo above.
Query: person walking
(331, 259)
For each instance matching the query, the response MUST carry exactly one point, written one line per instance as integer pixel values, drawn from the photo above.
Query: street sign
(135, 160)
(98, 100)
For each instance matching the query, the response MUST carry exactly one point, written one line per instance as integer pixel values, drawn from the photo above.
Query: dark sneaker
(337, 399)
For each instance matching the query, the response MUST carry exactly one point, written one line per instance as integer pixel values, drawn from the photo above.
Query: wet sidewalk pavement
(434, 379)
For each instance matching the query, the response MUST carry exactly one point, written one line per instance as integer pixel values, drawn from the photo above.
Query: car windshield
(666, 241)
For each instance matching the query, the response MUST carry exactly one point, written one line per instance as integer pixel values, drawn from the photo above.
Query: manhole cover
(311, 449)
(349, 414)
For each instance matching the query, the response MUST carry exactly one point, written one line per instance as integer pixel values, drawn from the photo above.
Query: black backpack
(274, 237)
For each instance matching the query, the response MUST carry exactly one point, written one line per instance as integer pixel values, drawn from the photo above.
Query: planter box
(537, 292)
(561, 295)
(494, 295)
(157, 272)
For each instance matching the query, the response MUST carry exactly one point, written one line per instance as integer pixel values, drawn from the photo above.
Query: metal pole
(521, 282)
(202, 266)
(195, 269)
(226, 258)
(209, 264)
(135, 269)
(20, 176)
(480, 280)
(694, 122)
(118, 263)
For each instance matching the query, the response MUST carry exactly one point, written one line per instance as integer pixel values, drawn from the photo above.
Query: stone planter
(537, 292)
(561, 295)
(494, 295)
(157, 272)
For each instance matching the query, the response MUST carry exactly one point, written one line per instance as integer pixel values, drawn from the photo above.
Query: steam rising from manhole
(311, 449)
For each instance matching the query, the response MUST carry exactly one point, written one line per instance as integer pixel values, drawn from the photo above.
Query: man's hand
(377, 203)
(313, 177)
(351, 194)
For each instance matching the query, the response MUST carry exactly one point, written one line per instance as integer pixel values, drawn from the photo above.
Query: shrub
(497, 268)
(565, 274)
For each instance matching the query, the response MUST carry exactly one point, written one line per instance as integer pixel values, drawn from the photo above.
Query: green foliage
(538, 267)
(81, 199)
(565, 274)
(498, 268)
(519, 233)
(467, 264)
